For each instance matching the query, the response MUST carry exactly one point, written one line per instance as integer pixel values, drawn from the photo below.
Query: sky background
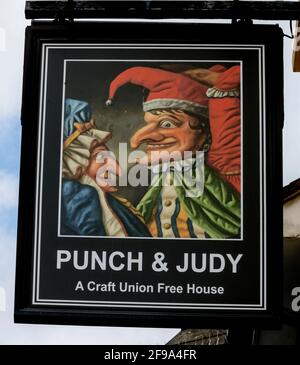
(12, 27)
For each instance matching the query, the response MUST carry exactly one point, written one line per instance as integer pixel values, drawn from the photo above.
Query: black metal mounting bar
(265, 10)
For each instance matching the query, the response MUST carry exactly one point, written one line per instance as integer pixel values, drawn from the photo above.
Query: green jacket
(217, 211)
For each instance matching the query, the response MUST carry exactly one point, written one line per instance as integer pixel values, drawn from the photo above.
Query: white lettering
(101, 262)
(234, 261)
(62, 256)
(79, 286)
(212, 263)
(138, 261)
(85, 260)
(185, 264)
(111, 261)
(203, 266)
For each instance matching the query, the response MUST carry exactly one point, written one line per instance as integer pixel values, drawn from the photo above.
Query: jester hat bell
(167, 90)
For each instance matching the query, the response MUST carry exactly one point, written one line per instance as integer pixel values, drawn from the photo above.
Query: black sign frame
(270, 39)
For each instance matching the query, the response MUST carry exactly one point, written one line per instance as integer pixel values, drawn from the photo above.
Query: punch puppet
(197, 110)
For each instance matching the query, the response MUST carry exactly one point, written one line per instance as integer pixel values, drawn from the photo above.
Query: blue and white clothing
(87, 211)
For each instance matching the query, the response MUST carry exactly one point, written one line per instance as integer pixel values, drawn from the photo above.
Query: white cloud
(2, 300)
(2, 40)
(291, 130)
(12, 23)
(8, 190)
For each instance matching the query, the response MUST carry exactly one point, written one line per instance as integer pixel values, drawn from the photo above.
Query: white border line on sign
(36, 299)
(61, 152)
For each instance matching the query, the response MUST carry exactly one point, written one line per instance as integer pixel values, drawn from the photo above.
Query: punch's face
(170, 131)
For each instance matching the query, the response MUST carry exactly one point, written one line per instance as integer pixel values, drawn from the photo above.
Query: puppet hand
(109, 169)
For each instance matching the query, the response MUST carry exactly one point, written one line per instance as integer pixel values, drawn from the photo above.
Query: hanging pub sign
(150, 191)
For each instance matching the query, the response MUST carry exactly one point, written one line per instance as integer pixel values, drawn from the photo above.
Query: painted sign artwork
(147, 180)
(154, 151)
(150, 163)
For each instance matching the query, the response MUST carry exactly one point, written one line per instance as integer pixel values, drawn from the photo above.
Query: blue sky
(11, 60)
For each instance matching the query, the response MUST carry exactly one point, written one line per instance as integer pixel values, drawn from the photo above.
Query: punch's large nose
(149, 132)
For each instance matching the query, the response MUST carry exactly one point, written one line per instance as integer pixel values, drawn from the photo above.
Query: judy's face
(169, 131)
(103, 168)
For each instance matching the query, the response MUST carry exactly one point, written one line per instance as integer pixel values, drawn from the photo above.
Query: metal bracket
(60, 16)
(234, 10)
